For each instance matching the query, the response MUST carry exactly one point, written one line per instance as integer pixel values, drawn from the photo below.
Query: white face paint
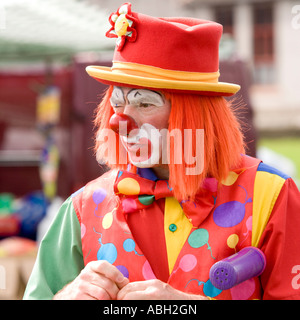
(144, 144)
(117, 98)
(145, 97)
(136, 97)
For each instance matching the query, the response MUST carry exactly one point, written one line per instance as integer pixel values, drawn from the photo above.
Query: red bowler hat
(175, 54)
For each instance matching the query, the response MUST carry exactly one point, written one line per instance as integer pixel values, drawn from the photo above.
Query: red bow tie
(137, 193)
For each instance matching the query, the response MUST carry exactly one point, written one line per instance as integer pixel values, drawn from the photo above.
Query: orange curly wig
(223, 140)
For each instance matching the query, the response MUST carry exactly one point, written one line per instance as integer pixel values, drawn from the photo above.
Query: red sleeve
(280, 242)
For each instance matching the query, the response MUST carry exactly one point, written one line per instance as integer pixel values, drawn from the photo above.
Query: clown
(181, 193)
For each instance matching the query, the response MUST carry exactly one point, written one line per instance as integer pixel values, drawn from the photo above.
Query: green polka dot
(146, 199)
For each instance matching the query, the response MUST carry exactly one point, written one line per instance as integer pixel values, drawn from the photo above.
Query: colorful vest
(215, 226)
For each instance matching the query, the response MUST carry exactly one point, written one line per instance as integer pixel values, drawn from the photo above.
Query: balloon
(107, 220)
(107, 251)
(249, 228)
(123, 270)
(99, 195)
(147, 271)
(83, 230)
(199, 238)
(249, 223)
(129, 246)
(230, 213)
(187, 263)
(232, 241)
(243, 291)
(129, 187)
(208, 288)
(231, 179)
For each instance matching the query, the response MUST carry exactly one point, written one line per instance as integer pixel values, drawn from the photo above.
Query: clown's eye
(145, 105)
(117, 106)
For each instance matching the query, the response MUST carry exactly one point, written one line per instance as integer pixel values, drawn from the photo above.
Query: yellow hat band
(146, 71)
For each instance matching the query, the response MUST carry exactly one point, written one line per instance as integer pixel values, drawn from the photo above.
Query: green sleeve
(59, 258)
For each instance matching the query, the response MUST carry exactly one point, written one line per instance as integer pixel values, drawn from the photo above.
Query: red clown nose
(115, 120)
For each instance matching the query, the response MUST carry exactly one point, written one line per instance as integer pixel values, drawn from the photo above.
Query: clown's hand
(154, 290)
(99, 280)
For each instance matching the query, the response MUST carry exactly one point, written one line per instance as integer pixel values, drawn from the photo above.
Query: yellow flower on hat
(122, 23)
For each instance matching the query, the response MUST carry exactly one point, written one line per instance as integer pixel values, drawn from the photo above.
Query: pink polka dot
(244, 290)
(83, 230)
(147, 271)
(210, 184)
(129, 205)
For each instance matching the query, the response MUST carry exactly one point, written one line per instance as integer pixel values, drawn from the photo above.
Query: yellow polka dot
(129, 187)
(231, 179)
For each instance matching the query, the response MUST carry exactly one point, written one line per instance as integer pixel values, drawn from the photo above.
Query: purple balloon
(99, 195)
(230, 213)
(124, 271)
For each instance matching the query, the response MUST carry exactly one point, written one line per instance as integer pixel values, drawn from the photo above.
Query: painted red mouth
(140, 151)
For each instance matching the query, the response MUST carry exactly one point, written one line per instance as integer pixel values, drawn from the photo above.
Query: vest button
(172, 227)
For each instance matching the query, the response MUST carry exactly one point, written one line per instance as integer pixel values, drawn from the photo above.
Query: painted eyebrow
(136, 96)
(117, 97)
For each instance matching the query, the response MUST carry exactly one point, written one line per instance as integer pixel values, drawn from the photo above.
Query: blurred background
(47, 101)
